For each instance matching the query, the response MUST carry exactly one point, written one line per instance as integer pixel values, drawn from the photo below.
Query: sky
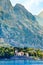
(33, 6)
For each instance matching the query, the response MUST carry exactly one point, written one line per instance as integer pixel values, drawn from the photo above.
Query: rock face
(18, 27)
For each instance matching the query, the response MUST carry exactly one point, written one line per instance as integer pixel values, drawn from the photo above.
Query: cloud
(30, 3)
(27, 3)
(16, 1)
(36, 2)
(34, 6)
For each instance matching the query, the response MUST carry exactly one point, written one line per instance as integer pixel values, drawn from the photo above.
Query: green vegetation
(8, 52)
(34, 53)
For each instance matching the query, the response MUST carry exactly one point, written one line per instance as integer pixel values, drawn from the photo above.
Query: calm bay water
(21, 62)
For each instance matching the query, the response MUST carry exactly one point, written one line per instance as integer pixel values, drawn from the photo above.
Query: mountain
(25, 17)
(6, 18)
(21, 11)
(18, 27)
(6, 12)
(40, 14)
(5, 5)
(39, 18)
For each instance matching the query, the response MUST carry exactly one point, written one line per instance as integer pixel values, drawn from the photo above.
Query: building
(19, 53)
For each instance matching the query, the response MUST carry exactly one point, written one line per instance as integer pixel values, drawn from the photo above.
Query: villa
(19, 53)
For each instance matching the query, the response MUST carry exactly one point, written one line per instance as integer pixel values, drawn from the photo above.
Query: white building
(19, 53)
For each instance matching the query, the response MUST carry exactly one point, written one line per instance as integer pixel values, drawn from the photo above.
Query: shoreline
(20, 58)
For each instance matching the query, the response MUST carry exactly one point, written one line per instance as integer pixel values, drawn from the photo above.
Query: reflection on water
(21, 62)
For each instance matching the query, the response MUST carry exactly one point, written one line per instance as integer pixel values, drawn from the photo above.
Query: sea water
(20, 62)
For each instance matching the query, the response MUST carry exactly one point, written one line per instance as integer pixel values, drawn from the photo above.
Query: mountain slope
(39, 18)
(24, 16)
(40, 14)
(18, 27)
(22, 11)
